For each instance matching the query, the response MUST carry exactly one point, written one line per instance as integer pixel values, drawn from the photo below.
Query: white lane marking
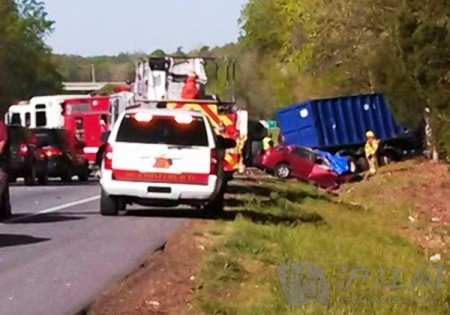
(52, 209)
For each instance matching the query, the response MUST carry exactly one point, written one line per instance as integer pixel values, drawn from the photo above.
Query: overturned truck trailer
(338, 125)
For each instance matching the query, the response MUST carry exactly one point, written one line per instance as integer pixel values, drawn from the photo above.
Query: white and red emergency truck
(40, 111)
(87, 118)
(84, 115)
(159, 81)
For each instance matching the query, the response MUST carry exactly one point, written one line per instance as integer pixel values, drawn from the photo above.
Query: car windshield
(46, 137)
(163, 130)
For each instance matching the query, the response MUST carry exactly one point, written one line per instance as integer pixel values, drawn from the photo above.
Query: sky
(111, 27)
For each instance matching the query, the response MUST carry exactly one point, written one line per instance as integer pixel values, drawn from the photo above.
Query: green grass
(298, 224)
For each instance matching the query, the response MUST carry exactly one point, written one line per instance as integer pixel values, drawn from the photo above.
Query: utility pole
(93, 72)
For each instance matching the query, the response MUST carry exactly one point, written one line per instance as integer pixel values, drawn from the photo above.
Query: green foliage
(401, 48)
(25, 61)
(291, 50)
(298, 224)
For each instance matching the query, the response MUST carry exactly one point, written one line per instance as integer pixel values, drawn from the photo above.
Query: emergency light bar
(143, 117)
(183, 119)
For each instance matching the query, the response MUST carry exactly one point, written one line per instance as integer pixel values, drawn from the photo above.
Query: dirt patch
(165, 283)
(426, 186)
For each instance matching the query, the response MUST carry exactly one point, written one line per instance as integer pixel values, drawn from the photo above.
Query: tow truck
(159, 82)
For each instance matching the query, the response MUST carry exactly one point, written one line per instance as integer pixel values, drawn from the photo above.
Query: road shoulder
(164, 283)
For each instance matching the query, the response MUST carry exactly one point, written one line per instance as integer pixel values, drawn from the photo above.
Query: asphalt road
(57, 253)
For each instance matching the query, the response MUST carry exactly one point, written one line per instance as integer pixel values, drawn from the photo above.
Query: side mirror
(225, 143)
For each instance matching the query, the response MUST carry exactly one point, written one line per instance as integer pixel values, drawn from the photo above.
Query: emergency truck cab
(18, 114)
(40, 112)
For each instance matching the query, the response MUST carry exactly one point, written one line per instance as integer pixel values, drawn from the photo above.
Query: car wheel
(5, 208)
(282, 171)
(122, 204)
(108, 205)
(43, 178)
(362, 165)
(84, 175)
(216, 206)
(67, 176)
(30, 178)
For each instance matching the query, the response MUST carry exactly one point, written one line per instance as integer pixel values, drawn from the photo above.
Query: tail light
(23, 149)
(214, 162)
(108, 157)
(51, 151)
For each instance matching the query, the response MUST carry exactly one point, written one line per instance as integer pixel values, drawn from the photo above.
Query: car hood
(339, 164)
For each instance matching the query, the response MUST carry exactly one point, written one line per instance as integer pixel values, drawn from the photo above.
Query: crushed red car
(303, 164)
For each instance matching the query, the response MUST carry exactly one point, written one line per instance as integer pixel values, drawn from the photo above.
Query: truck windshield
(163, 130)
(46, 137)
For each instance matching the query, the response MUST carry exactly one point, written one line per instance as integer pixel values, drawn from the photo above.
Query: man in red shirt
(5, 206)
(190, 90)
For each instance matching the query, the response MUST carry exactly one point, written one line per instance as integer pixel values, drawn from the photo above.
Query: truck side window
(41, 116)
(15, 119)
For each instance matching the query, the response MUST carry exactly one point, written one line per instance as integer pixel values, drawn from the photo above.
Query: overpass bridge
(87, 86)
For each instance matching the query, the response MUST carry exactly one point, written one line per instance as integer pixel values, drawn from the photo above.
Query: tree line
(289, 50)
(26, 64)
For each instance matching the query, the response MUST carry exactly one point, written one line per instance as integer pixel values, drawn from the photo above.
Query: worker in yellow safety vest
(371, 150)
(267, 143)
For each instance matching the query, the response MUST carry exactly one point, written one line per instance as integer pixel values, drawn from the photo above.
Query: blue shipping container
(340, 121)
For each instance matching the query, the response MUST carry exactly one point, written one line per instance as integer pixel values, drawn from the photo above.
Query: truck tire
(108, 205)
(5, 207)
(84, 175)
(215, 207)
(30, 178)
(390, 155)
(43, 177)
(67, 176)
(282, 170)
(362, 165)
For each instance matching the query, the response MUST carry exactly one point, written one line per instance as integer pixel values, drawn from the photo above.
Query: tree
(25, 61)
(158, 53)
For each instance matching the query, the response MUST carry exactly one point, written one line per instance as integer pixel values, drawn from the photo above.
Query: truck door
(79, 127)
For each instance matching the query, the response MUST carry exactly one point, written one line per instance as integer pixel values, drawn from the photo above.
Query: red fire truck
(88, 118)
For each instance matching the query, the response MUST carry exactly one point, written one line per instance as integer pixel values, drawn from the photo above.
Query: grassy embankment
(292, 222)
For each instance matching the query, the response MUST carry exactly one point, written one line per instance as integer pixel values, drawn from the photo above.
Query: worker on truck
(190, 90)
(371, 150)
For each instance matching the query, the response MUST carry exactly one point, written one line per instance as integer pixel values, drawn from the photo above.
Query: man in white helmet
(371, 150)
